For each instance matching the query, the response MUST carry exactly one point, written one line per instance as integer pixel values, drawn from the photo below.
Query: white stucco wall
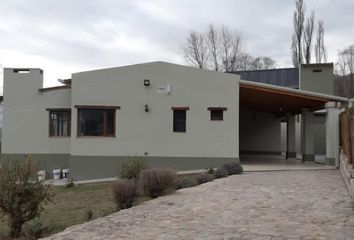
(138, 132)
(26, 120)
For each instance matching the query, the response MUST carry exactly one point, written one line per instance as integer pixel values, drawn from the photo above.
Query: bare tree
(195, 50)
(344, 82)
(294, 52)
(320, 48)
(221, 49)
(262, 63)
(307, 39)
(298, 21)
(213, 46)
(231, 49)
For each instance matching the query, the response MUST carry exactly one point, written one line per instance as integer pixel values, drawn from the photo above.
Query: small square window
(216, 115)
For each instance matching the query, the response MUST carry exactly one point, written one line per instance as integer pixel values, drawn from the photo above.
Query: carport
(262, 109)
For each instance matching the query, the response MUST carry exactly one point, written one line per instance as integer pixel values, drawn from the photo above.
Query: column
(290, 135)
(307, 143)
(332, 134)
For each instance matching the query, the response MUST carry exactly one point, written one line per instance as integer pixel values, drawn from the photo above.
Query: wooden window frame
(58, 110)
(105, 122)
(220, 109)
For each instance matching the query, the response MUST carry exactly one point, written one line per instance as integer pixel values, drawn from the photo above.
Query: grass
(70, 206)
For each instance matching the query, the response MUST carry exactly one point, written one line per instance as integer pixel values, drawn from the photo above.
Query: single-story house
(170, 115)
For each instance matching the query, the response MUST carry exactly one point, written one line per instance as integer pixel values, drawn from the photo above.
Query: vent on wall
(21, 70)
(317, 70)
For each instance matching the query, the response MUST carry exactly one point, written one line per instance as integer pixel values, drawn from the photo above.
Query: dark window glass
(59, 123)
(179, 120)
(96, 122)
(216, 115)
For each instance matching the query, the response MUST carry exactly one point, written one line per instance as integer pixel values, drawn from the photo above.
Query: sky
(66, 36)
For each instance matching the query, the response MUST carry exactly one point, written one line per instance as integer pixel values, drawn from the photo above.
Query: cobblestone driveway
(311, 204)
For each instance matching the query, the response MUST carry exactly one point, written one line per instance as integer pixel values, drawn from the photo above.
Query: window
(179, 118)
(59, 123)
(217, 113)
(96, 122)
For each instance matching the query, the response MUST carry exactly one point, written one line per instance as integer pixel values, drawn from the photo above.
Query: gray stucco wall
(26, 120)
(139, 132)
(259, 132)
(317, 78)
(319, 132)
(205, 144)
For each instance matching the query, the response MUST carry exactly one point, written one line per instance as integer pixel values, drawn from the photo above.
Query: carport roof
(281, 100)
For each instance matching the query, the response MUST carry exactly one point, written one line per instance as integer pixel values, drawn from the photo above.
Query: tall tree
(298, 21)
(231, 49)
(307, 39)
(213, 41)
(195, 50)
(320, 48)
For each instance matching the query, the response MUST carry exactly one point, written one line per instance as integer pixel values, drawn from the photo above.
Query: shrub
(157, 182)
(89, 215)
(211, 171)
(124, 192)
(220, 173)
(35, 229)
(70, 183)
(206, 177)
(22, 194)
(185, 182)
(132, 168)
(233, 168)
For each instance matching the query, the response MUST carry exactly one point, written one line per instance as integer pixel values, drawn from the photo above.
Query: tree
(298, 21)
(307, 39)
(213, 46)
(221, 49)
(344, 83)
(195, 50)
(320, 49)
(21, 193)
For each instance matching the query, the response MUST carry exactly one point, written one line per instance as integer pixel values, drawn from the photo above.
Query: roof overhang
(281, 100)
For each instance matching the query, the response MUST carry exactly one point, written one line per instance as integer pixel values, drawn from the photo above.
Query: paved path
(311, 204)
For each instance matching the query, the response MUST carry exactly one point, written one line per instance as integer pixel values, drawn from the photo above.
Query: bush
(132, 168)
(35, 229)
(233, 168)
(204, 178)
(210, 171)
(70, 183)
(157, 182)
(185, 182)
(124, 192)
(22, 194)
(220, 173)
(89, 215)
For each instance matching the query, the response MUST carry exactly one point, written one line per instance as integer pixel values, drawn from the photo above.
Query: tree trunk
(16, 229)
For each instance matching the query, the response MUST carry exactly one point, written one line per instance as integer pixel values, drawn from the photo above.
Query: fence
(347, 134)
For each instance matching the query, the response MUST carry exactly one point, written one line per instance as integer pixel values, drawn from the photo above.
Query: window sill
(90, 137)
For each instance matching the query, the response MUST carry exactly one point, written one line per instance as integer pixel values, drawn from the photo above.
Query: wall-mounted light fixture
(146, 82)
(146, 108)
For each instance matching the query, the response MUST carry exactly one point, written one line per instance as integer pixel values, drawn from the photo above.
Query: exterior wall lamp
(146, 108)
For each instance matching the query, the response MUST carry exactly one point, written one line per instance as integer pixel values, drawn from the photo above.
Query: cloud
(67, 36)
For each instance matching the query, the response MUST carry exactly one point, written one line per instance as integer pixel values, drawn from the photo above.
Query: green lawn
(70, 206)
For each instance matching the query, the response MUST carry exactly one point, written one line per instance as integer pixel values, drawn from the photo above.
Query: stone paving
(311, 204)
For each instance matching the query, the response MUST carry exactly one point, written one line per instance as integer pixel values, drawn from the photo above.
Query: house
(169, 114)
(311, 77)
